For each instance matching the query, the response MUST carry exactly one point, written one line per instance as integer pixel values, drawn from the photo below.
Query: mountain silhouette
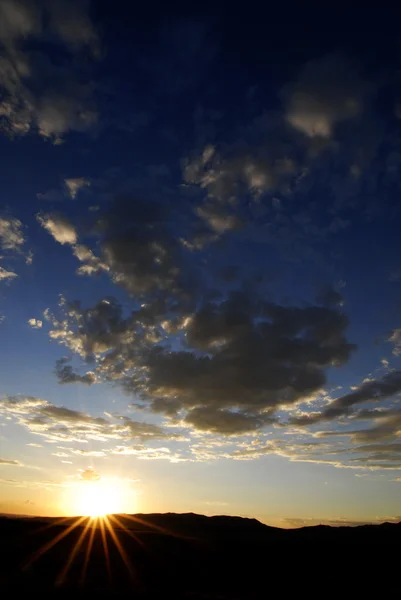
(191, 556)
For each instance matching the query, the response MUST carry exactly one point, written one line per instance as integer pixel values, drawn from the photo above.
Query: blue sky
(199, 261)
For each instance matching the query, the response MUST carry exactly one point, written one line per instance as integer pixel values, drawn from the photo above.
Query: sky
(200, 273)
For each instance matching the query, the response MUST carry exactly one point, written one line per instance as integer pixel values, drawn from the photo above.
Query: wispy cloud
(6, 461)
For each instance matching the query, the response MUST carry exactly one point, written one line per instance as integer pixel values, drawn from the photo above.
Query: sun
(97, 498)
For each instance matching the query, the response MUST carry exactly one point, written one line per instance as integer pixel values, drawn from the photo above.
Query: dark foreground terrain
(192, 556)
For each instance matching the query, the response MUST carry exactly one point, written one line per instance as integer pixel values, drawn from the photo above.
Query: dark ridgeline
(193, 556)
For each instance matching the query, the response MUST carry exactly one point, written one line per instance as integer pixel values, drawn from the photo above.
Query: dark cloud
(371, 390)
(60, 100)
(225, 421)
(138, 247)
(66, 374)
(328, 296)
(237, 360)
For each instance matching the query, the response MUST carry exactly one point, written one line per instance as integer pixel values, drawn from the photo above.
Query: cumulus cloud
(59, 227)
(62, 101)
(241, 358)
(35, 323)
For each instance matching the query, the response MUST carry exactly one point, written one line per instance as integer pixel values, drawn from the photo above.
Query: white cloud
(4, 274)
(11, 235)
(59, 227)
(75, 184)
(35, 323)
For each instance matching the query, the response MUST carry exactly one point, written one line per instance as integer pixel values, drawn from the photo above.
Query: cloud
(4, 274)
(395, 339)
(386, 425)
(328, 91)
(97, 453)
(218, 356)
(89, 475)
(59, 227)
(75, 184)
(368, 457)
(242, 358)
(218, 218)
(58, 423)
(143, 453)
(11, 235)
(59, 101)
(135, 246)
(371, 390)
(339, 522)
(11, 242)
(6, 461)
(225, 421)
(66, 374)
(35, 323)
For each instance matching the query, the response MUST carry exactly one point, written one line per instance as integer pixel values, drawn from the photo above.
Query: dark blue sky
(200, 255)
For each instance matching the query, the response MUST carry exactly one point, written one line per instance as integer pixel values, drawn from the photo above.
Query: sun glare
(98, 498)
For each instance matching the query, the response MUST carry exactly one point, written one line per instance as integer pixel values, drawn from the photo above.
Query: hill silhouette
(191, 556)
